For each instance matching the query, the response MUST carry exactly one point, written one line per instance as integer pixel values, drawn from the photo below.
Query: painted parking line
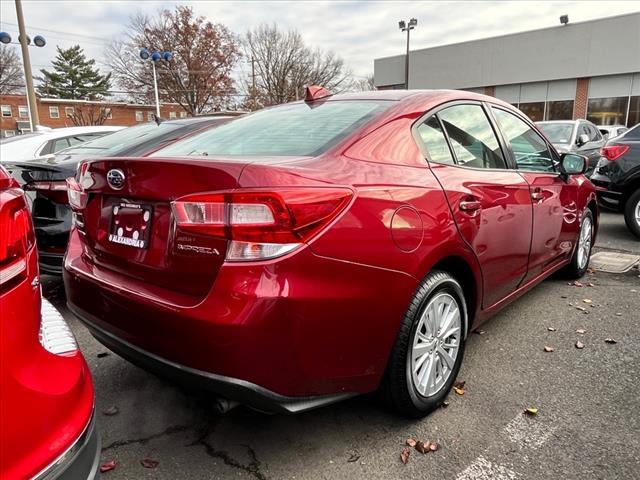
(482, 469)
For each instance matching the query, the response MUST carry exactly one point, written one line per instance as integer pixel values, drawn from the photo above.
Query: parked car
(575, 136)
(618, 176)
(48, 429)
(45, 143)
(316, 250)
(611, 131)
(44, 180)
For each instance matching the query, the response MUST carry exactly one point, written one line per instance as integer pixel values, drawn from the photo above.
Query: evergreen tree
(74, 77)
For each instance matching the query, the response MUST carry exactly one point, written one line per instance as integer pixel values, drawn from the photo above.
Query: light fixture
(5, 37)
(564, 19)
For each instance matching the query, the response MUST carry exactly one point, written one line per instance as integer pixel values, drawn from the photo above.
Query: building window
(634, 111)
(559, 110)
(139, 116)
(69, 111)
(54, 112)
(6, 111)
(150, 116)
(172, 115)
(533, 110)
(183, 114)
(9, 133)
(23, 111)
(607, 111)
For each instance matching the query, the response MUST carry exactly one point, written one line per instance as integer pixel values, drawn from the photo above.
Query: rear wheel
(428, 351)
(582, 253)
(632, 213)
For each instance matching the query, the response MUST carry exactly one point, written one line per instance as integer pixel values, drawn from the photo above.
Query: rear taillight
(77, 196)
(16, 235)
(261, 224)
(54, 190)
(613, 152)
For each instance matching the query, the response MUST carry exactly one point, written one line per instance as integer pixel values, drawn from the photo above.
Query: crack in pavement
(168, 431)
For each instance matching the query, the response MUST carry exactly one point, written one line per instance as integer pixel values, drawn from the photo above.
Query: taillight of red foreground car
(261, 224)
(77, 196)
(613, 152)
(16, 236)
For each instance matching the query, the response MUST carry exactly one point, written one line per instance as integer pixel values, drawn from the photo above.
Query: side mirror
(572, 164)
(582, 140)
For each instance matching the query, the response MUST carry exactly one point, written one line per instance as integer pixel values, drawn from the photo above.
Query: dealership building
(579, 70)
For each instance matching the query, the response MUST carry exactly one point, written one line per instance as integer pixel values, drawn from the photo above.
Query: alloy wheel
(435, 344)
(637, 214)
(584, 242)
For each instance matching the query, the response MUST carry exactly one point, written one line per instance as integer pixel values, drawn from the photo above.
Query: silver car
(612, 131)
(575, 136)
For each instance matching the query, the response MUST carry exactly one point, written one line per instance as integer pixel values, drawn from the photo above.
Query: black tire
(397, 387)
(574, 270)
(630, 209)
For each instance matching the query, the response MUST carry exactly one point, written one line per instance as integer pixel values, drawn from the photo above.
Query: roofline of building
(506, 35)
(93, 102)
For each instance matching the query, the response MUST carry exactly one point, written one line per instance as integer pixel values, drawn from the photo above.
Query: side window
(433, 138)
(473, 141)
(595, 134)
(60, 144)
(529, 148)
(583, 130)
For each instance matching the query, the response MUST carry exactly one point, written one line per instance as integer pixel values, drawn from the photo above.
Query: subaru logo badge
(115, 178)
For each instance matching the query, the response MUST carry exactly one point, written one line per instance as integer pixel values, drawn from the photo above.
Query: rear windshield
(557, 132)
(114, 142)
(296, 129)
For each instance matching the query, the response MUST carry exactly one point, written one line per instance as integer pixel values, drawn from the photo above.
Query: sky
(358, 31)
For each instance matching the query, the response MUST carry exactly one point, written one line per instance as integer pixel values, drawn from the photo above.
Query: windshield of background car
(557, 132)
(114, 142)
(297, 129)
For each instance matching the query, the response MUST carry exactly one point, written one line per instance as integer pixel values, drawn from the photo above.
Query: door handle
(537, 195)
(469, 205)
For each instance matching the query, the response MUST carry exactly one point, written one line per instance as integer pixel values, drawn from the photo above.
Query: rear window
(297, 129)
(557, 132)
(113, 142)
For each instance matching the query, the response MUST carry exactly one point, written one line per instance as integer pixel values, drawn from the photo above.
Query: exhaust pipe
(223, 405)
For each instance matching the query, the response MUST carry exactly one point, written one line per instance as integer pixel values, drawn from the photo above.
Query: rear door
(490, 202)
(554, 200)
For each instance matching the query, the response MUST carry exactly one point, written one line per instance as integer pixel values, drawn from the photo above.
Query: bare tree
(199, 75)
(11, 77)
(283, 66)
(89, 114)
(363, 84)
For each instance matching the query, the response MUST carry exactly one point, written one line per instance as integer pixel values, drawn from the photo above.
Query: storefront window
(559, 110)
(534, 110)
(634, 111)
(607, 111)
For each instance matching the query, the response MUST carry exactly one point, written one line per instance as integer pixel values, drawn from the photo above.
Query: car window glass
(472, 138)
(621, 131)
(433, 138)
(583, 130)
(594, 134)
(76, 140)
(60, 144)
(529, 148)
(633, 133)
(557, 132)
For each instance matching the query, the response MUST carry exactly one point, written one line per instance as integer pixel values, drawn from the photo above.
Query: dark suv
(618, 173)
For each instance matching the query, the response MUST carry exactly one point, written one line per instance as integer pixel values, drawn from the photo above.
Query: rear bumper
(242, 391)
(80, 461)
(50, 263)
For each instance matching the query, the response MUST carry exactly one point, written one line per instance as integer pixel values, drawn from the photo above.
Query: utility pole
(407, 27)
(28, 76)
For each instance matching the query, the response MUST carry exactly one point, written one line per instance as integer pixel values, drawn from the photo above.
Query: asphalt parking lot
(588, 402)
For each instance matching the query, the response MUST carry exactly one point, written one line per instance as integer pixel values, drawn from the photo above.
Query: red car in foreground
(325, 248)
(47, 428)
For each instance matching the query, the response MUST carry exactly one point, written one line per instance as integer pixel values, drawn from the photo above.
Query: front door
(490, 203)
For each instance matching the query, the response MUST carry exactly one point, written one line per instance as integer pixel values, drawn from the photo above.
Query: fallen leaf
(531, 411)
(411, 442)
(582, 309)
(618, 314)
(445, 404)
(354, 457)
(149, 463)
(423, 447)
(581, 331)
(590, 271)
(588, 300)
(108, 466)
(459, 391)
(633, 290)
(480, 332)
(549, 349)
(563, 296)
(459, 384)
(551, 329)
(103, 354)
(579, 345)
(111, 411)
(433, 446)
(590, 284)
(576, 284)
(404, 455)
(610, 340)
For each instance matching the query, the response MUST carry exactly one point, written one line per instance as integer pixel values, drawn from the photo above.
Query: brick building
(562, 72)
(55, 113)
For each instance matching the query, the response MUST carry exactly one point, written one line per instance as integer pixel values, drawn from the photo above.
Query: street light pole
(155, 57)
(407, 27)
(155, 88)
(28, 76)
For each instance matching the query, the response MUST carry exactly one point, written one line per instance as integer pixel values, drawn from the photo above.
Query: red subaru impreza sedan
(325, 248)
(47, 428)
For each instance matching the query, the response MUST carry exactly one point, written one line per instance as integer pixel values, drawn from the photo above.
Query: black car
(618, 175)
(44, 180)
